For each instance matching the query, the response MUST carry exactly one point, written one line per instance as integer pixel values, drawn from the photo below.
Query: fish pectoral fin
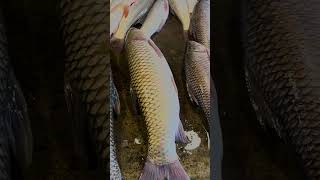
(191, 96)
(181, 136)
(134, 100)
(77, 114)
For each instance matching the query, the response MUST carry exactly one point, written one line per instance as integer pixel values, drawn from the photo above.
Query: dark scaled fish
(197, 69)
(85, 25)
(115, 172)
(15, 131)
(200, 23)
(283, 72)
(201, 90)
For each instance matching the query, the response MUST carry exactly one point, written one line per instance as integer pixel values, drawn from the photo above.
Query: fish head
(194, 46)
(135, 34)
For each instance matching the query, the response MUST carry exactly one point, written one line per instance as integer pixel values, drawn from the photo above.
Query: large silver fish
(15, 131)
(115, 172)
(181, 10)
(158, 100)
(202, 91)
(136, 10)
(87, 69)
(200, 23)
(156, 18)
(118, 9)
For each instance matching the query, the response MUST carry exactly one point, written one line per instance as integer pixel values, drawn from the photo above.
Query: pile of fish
(153, 83)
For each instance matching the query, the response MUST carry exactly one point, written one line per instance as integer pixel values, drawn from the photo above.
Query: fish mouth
(117, 44)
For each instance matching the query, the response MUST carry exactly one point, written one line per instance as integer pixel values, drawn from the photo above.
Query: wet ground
(36, 50)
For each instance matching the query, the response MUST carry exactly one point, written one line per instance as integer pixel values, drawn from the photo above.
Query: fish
(115, 171)
(16, 141)
(136, 11)
(87, 76)
(191, 5)
(282, 70)
(201, 90)
(198, 78)
(118, 9)
(116, 14)
(114, 3)
(156, 18)
(180, 9)
(159, 104)
(200, 23)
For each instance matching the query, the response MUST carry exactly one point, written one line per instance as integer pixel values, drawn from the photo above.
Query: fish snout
(117, 44)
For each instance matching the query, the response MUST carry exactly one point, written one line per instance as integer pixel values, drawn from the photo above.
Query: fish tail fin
(181, 136)
(173, 171)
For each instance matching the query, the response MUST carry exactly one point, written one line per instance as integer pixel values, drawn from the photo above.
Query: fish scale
(85, 32)
(157, 99)
(284, 78)
(200, 23)
(197, 69)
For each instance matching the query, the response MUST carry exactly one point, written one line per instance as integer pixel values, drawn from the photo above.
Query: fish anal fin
(181, 136)
(191, 95)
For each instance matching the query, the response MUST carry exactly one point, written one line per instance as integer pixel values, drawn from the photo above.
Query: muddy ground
(36, 50)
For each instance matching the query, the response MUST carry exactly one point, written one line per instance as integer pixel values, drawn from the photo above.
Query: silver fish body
(181, 10)
(200, 23)
(114, 3)
(158, 102)
(116, 14)
(156, 18)
(136, 11)
(115, 172)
